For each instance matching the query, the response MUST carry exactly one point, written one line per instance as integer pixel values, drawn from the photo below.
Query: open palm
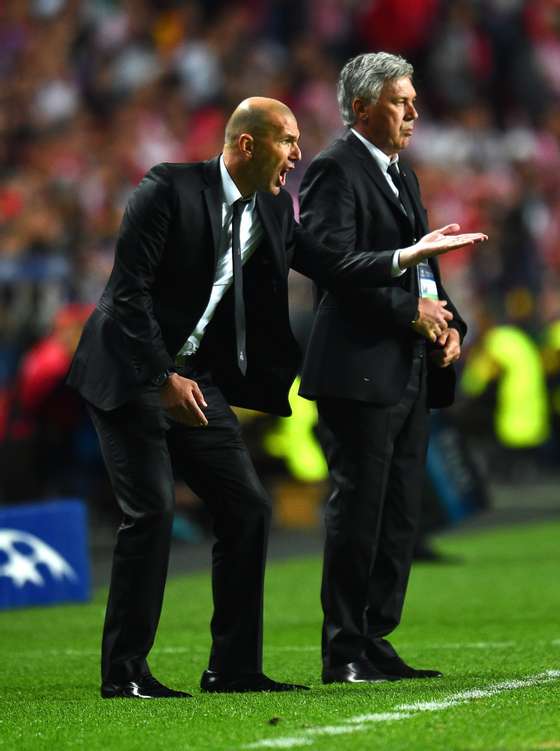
(443, 240)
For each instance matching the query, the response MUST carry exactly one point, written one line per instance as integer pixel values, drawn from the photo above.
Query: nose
(412, 113)
(295, 154)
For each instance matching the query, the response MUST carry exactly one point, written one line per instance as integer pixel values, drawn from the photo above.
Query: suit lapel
(414, 195)
(370, 166)
(213, 198)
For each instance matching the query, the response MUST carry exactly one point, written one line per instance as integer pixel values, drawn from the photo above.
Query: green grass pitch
(491, 623)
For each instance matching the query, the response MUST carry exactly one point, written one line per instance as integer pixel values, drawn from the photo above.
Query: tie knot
(240, 204)
(393, 171)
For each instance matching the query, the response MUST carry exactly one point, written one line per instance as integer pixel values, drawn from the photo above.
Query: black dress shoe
(143, 688)
(213, 682)
(360, 671)
(397, 669)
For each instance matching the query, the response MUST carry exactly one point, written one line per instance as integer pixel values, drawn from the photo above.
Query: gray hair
(363, 76)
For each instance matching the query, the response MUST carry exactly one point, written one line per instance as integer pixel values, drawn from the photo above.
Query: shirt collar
(383, 161)
(230, 191)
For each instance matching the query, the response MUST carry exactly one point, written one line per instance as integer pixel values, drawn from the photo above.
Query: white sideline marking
(282, 743)
(476, 645)
(378, 717)
(405, 711)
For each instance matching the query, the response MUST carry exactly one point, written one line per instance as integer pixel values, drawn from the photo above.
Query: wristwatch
(161, 378)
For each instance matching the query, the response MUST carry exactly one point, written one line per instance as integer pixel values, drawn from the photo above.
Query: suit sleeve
(140, 246)
(328, 214)
(334, 270)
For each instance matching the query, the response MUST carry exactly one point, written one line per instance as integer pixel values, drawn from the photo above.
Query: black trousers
(376, 459)
(141, 445)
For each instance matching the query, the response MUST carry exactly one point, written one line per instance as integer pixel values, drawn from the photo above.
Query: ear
(359, 108)
(246, 144)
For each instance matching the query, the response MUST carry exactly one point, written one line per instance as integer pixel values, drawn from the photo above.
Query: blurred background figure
(45, 428)
(95, 92)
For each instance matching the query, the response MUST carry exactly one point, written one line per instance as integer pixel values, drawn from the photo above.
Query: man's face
(275, 153)
(388, 123)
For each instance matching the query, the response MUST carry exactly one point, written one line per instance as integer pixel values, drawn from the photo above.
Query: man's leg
(133, 443)
(215, 463)
(401, 517)
(360, 442)
(357, 440)
(399, 528)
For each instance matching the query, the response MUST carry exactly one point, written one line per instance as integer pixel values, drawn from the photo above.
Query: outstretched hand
(436, 243)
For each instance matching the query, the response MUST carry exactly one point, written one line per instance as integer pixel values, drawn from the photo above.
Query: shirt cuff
(395, 268)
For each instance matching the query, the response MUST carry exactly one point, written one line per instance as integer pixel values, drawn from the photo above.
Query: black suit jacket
(161, 282)
(361, 343)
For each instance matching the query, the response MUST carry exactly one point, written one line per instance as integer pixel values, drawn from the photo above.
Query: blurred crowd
(94, 92)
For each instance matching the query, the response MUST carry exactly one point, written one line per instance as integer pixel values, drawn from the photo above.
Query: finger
(447, 315)
(194, 409)
(450, 356)
(198, 395)
(449, 228)
(461, 240)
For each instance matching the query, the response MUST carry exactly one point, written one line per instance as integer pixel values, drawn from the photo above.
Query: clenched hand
(450, 351)
(432, 318)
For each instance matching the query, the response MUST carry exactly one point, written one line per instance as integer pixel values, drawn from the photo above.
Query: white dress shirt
(384, 162)
(250, 235)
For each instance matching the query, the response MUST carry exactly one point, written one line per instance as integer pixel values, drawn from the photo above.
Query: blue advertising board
(44, 554)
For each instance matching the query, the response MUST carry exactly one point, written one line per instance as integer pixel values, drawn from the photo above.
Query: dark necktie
(239, 303)
(409, 211)
(395, 176)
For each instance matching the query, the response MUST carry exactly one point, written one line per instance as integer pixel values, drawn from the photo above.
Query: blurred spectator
(93, 93)
(507, 362)
(40, 444)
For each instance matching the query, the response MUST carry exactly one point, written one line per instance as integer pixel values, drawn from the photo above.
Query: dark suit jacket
(161, 282)
(361, 343)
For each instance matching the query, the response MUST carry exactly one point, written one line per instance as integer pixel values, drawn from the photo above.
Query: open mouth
(282, 177)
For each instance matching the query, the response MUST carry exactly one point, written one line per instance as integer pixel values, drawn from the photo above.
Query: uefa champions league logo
(20, 555)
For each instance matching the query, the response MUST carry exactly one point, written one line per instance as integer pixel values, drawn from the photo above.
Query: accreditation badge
(427, 286)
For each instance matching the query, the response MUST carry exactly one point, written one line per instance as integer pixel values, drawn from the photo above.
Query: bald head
(255, 116)
(261, 145)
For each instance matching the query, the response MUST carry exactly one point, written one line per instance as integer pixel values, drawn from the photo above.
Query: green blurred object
(292, 439)
(508, 356)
